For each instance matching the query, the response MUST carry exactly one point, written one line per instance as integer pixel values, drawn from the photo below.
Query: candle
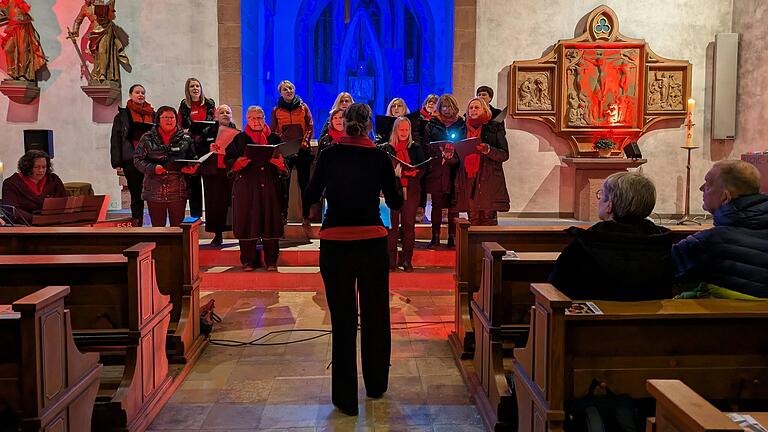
(689, 123)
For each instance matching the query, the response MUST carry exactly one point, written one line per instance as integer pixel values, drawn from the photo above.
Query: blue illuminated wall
(389, 48)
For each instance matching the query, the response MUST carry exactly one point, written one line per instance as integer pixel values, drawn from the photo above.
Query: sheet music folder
(199, 127)
(384, 125)
(140, 128)
(201, 159)
(262, 153)
(463, 147)
(73, 210)
(408, 166)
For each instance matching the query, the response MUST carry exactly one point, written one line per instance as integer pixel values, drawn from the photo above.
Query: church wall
(749, 19)
(163, 55)
(676, 29)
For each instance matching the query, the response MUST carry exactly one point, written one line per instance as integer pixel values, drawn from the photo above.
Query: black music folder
(463, 147)
(201, 159)
(408, 166)
(384, 125)
(199, 127)
(140, 128)
(263, 153)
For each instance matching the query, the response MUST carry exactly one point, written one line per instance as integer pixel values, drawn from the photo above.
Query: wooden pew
(43, 376)
(501, 317)
(469, 256)
(176, 255)
(116, 310)
(680, 409)
(691, 340)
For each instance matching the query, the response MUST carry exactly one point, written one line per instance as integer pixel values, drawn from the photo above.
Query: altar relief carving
(599, 84)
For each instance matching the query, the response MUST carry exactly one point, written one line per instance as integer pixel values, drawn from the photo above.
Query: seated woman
(25, 191)
(165, 181)
(626, 257)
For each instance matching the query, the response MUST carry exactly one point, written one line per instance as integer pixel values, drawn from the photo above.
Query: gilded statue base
(20, 91)
(103, 93)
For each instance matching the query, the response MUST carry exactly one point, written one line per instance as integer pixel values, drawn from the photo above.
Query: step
(295, 231)
(232, 278)
(304, 254)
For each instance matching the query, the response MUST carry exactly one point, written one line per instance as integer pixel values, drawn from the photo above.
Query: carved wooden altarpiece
(600, 85)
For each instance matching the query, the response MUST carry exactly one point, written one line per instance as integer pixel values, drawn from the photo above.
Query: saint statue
(21, 42)
(106, 41)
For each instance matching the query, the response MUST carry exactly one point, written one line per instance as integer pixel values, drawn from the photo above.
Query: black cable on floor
(323, 332)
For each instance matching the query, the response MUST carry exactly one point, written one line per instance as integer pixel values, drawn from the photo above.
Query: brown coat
(17, 194)
(488, 190)
(257, 194)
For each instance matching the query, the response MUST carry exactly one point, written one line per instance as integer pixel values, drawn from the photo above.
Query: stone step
(307, 254)
(232, 278)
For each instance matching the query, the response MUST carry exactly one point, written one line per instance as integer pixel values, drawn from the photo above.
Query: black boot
(435, 243)
(217, 240)
(451, 243)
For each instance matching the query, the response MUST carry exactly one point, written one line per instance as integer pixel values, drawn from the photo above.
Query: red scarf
(472, 162)
(141, 113)
(36, 189)
(426, 114)
(166, 137)
(335, 135)
(198, 111)
(446, 121)
(358, 141)
(258, 137)
(401, 152)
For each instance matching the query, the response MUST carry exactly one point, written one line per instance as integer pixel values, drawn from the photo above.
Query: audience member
(625, 257)
(729, 260)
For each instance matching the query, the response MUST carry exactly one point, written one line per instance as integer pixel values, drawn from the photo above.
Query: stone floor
(287, 387)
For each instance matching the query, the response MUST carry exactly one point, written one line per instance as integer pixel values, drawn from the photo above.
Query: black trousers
(365, 263)
(439, 202)
(406, 219)
(302, 163)
(135, 180)
(195, 185)
(250, 254)
(218, 199)
(174, 211)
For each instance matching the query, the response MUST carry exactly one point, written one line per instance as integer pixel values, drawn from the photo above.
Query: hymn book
(201, 159)
(199, 127)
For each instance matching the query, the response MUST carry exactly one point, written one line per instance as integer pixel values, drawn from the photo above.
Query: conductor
(353, 252)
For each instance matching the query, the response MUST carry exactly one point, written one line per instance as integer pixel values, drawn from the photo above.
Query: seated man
(625, 257)
(25, 191)
(731, 259)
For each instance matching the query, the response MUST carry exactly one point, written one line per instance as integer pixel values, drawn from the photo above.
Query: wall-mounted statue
(21, 43)
(106, 42)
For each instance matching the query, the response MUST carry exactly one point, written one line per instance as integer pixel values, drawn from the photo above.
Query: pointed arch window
(412, 48)
(324, 46)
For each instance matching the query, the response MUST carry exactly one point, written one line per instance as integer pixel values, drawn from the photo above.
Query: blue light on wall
(387, 49)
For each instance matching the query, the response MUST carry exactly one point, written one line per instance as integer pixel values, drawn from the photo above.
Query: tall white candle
(689, 123)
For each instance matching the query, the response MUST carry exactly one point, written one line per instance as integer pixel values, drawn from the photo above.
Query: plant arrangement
(604, 144)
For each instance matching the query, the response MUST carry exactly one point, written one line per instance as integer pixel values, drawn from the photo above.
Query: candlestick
(1, 179)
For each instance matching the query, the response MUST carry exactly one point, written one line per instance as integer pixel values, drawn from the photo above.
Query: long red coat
(257, 194)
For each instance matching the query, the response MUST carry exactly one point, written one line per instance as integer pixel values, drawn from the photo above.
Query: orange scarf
(141, 113)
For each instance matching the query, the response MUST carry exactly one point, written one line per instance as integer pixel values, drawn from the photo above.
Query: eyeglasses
(167, 118)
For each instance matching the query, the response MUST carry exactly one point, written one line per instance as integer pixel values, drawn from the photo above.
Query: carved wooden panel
(53, 354)
(600, 84)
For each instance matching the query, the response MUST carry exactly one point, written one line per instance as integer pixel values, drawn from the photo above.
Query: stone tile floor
(287, 387)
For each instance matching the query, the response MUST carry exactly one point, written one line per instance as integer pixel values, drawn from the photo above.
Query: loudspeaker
(632, 151)
(724, 85)
(39, 139)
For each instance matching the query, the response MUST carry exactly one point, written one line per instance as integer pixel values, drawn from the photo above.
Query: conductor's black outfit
(353, 251)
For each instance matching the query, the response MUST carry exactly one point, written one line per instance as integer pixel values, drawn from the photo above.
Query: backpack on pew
(208, 317)
(602, 413)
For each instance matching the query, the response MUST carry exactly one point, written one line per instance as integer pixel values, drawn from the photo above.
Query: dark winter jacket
(121, 141)
(440, 176)
(488, 190)
(616, 261)
(172, 185)
(733, 254)
(210, 166)
(185, 112)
